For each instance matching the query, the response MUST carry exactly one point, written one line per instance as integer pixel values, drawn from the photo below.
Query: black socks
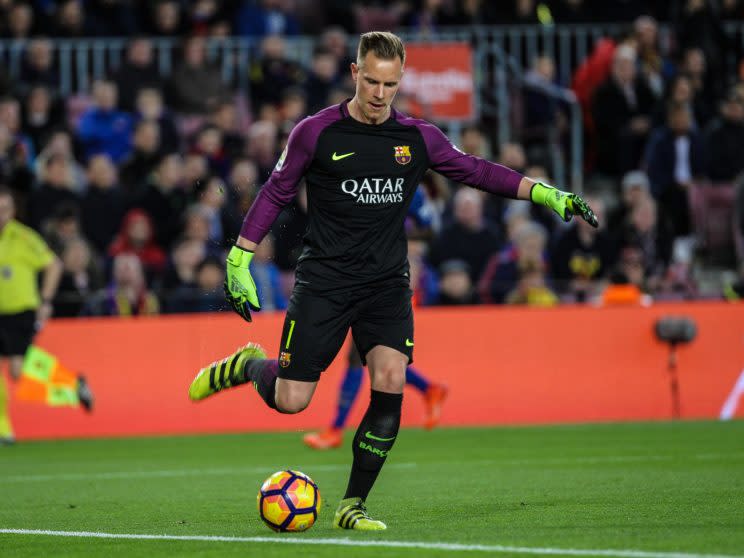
(373, 441)
(262, 374)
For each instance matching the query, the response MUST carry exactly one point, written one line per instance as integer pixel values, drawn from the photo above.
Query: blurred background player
(23, 307)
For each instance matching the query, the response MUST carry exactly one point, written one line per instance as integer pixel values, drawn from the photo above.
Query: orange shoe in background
(325, 439)
(434, 398)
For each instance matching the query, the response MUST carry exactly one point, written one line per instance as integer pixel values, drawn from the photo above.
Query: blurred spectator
(211, 202)
(517, 273)
(195, 172)
(195, 85)
(164, 199)
(14, 169)
(674, 160)
(150, 107)
(127, 295)
(166, 18)
(205, 294)
(698, 26)
(321, 79)
(224, 115)
(197, 220)
(41, 114)
(635, 188)
(267, 276)
(469, 238)
(56, 188)
(336, 41)
(725, 135)
(103, 204)
(455, 284)
(60, 143)
(262, 147)
(70, 20)
(651, 66)
(62, 225)
(582, 255)
(626, 281)
(80, 279)
(143, 158)
(705, 87)
(209, 142)
(20, 21)
(273, 73)
(293, 108)
(37, 67)
(136, 236)
(181, 272)
(652, 238)
(474, 142)
(572, 11)
(10, 116)
(103, 128)
(137, 72)
(265, 17)
(203, 14)
(542, 120)
(680, 91)
(532, 288)
(621, 111)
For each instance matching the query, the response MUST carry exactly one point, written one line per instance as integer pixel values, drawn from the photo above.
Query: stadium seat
(712, 213)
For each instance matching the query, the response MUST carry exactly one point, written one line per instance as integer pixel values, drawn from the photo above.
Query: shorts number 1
(289, 336)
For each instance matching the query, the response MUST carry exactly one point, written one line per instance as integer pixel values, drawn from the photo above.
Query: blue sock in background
(349, 390)
(415, 379)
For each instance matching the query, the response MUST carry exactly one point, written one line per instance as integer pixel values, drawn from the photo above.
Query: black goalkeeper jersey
(360, 180)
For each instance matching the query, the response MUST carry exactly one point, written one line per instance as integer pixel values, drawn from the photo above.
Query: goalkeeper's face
(377, 81)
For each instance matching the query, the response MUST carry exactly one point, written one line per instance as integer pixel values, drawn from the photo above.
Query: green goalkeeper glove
(565, 204)
(240, 290)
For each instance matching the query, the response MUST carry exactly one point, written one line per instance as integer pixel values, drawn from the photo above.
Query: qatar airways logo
(374, 190)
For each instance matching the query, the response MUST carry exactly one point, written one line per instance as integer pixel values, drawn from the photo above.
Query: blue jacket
(108, 132)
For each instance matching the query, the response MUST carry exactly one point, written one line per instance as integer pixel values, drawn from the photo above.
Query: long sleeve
(446, 159)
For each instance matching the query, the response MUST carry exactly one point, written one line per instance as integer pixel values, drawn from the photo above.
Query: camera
(675, 330)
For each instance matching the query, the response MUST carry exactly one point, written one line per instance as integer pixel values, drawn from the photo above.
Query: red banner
(438, 78)
(503, 365)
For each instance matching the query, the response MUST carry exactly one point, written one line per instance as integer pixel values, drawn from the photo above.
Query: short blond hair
(383, 44)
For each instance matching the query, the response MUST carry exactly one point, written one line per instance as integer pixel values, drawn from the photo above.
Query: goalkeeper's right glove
(240, 290)
(565, 204)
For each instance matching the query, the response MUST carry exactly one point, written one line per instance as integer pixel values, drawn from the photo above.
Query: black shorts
(17, 332)
(316, 325)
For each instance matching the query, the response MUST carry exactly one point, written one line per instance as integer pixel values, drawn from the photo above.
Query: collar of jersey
(343, 107)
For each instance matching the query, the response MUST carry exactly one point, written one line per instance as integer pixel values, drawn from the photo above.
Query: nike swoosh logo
(373, 437)
(409, 343)
(339, 157)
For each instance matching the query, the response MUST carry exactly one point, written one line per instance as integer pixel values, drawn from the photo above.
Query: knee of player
(389, 378)
(291, 403)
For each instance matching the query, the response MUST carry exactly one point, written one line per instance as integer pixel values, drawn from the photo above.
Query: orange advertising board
(503, 366)
(438, 79)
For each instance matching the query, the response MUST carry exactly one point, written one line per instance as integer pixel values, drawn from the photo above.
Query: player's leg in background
(434, 395)
(332, 437)
(15, 364)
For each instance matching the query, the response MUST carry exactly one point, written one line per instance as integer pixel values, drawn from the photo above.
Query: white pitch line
(173, 473)
(621, 553)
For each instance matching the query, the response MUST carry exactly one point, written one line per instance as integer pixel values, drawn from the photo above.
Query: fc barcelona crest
(402, 154)
(284, 359)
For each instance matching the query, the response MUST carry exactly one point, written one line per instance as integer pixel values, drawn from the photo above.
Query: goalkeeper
(362, 161)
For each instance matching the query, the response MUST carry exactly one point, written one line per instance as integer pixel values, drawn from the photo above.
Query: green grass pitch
(668, 490)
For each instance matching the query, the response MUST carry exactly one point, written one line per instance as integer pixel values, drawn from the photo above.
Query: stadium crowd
(141, 185)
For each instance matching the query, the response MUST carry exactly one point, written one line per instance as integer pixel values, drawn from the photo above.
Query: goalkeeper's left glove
(240, 290)
(565, 204)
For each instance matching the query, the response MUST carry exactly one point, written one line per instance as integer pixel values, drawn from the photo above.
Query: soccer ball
(289, 501)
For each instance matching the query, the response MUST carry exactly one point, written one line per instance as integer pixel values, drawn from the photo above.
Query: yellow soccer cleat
(352, 514)
(224, 373)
